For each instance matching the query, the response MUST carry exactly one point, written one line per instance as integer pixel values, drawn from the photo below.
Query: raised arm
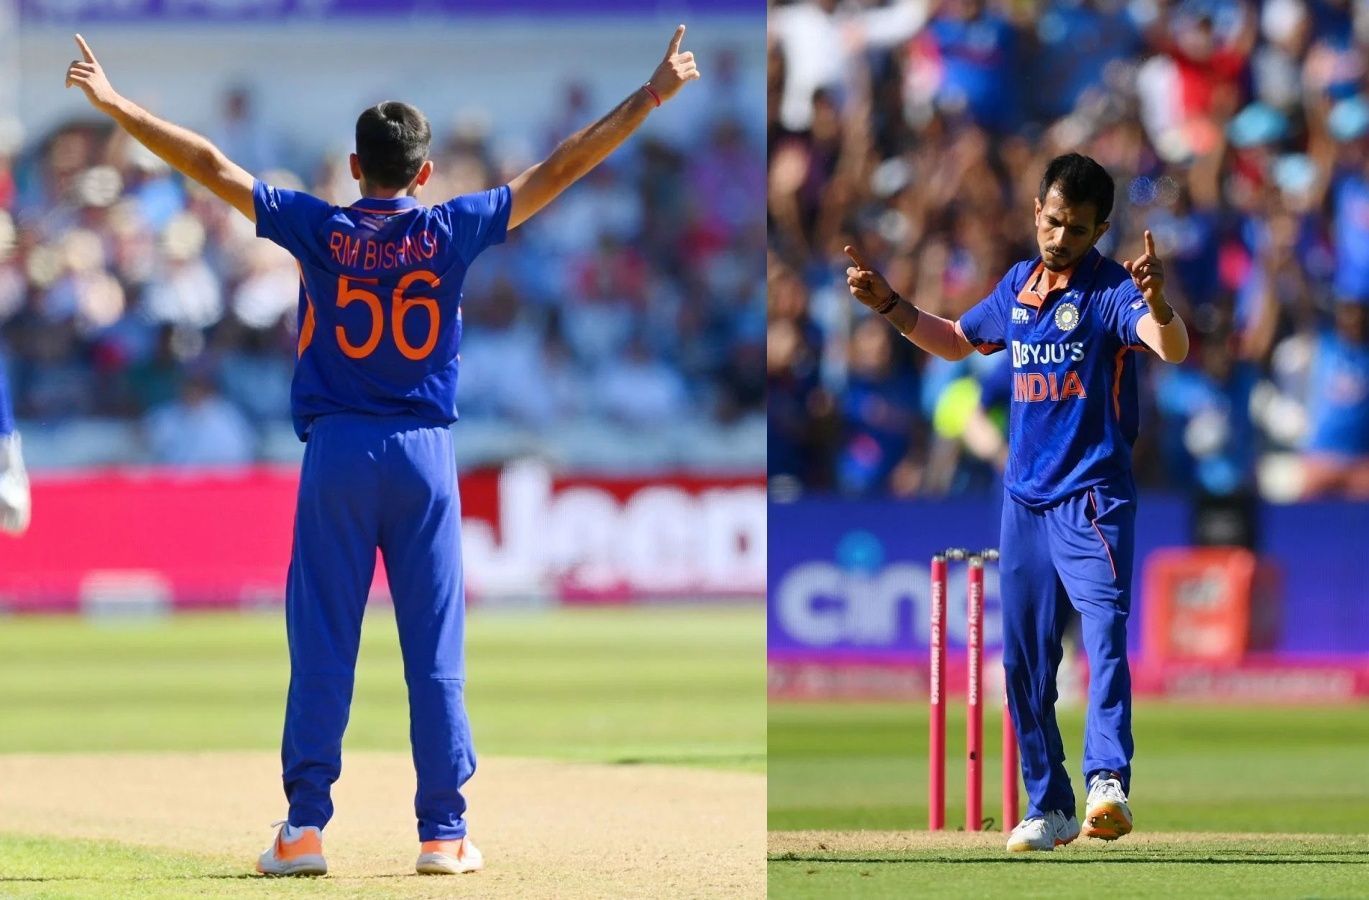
(938, 336)
(184, 150)
(588, 147)
(1160, 328)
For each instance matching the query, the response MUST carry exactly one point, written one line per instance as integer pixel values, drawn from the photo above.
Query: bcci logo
(1066, 316)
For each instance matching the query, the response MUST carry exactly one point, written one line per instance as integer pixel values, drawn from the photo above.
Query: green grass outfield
(1218, 769)
(1169, 865)
(676, 685)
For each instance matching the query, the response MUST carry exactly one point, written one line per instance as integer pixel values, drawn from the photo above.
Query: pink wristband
(654, 96)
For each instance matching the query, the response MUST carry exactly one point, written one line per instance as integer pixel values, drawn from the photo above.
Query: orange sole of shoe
(1105, 824)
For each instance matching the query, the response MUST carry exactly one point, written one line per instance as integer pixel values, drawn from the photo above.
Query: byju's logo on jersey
(1066, 316)
(1020, 316)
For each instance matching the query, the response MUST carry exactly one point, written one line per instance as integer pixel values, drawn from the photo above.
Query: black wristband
(889, 307)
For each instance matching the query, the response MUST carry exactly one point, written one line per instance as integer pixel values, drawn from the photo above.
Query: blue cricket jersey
(1073, 414)
(380, 297)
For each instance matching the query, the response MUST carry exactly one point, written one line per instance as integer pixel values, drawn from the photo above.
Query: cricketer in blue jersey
(14, 480)
(373, 395)
(1070, 319)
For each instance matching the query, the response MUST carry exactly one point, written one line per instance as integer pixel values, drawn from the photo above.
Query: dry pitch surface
(547, 829)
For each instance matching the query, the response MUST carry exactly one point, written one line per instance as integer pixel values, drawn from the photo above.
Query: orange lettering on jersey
(351, 248)
(1055, 392)
(369, 261)
(429, 245)
(1036, 386)
(387, 256)
(1073, 386)
(335, 242)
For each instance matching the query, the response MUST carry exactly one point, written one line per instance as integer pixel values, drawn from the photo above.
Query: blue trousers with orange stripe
(1077, 553)
(373, 482)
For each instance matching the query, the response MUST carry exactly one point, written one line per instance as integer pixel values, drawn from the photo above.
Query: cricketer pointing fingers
(1071, 320)
(373, 396)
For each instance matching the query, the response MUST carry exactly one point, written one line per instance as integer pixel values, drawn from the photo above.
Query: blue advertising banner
(849, 579)
(187, 11)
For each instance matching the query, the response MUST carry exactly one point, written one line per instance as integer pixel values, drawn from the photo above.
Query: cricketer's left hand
(87, 74)
(1148, 274)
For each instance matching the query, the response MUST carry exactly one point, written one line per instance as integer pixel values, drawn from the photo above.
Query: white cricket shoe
(1044, 832)
(1107, 815)
(295, 851)
(449, 857)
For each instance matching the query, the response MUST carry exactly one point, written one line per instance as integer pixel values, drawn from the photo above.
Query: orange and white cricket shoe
(448, 857)
(1107, 815)
(295, 851)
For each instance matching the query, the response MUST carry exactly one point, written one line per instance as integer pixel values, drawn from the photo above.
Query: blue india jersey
(380, 297)
(1073, 413)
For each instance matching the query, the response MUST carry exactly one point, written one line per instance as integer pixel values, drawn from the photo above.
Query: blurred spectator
(1207, 434)
(878, 410)
(1237, 131)
(969, 58)
(199, 428)
(1336, 459)
(637, 388)
(242, 136)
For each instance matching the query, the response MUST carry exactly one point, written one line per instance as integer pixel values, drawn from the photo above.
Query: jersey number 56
(349, 292)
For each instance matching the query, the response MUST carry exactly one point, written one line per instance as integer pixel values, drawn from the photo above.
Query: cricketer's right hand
(866, 285)
(674, 70)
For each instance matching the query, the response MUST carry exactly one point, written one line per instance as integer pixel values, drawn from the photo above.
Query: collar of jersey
(386, 205)
(1080, 278)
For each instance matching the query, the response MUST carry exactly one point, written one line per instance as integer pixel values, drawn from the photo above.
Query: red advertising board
(214, 539)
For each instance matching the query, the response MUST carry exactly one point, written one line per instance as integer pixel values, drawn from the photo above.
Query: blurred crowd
(918, 130)
(128, 294)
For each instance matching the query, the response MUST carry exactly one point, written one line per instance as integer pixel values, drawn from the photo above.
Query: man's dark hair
(1079, 180)
(392, 143)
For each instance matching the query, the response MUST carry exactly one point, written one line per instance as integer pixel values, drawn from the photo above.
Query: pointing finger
(85, 49)
(675, 42)
(1150, 243)
(857, 257)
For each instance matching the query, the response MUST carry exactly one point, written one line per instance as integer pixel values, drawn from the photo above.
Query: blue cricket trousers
(373, 482)
(1078, 552)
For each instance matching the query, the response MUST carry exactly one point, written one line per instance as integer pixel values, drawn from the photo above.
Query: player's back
(380, 300)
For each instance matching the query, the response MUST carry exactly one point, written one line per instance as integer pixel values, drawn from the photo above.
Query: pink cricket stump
(974, 718)
(1010, 810)
(936, 768)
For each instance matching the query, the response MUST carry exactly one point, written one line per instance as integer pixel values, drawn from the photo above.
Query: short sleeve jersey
(1073, 414)
(380, 297)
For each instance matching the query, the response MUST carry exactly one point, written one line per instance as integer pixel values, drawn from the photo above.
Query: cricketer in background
(374, 394)
(1070, 319)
